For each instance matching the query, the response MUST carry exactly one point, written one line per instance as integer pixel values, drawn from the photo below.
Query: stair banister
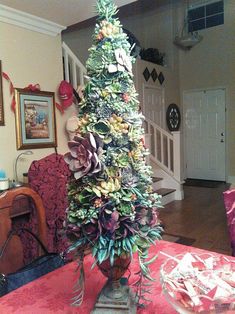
(167, 156)
(74, 70)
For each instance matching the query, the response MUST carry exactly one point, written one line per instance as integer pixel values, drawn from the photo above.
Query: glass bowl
(206, 280)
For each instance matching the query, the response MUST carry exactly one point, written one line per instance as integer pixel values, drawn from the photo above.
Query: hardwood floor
(201, 215)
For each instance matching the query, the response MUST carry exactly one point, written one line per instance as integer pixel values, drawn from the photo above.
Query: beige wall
(28, 58)
(211, 64)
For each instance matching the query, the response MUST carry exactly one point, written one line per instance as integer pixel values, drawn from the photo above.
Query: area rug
(178, 239)
(202, 183)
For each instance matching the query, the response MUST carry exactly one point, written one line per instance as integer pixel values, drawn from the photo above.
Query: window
(206, 16)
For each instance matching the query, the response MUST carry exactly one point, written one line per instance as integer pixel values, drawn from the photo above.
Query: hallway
(201, 216)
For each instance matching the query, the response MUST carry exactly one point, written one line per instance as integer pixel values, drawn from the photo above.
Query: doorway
(205, 140)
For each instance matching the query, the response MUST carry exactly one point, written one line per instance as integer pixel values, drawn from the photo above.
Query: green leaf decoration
(84, 197)
(112, 209)
(151, 260)
(96, 191)
(101, 128)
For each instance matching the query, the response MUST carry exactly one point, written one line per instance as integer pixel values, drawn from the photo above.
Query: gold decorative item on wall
(1, 98)
(35, 119)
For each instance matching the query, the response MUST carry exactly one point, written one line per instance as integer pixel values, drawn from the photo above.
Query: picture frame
(35, 119)
(2, 122)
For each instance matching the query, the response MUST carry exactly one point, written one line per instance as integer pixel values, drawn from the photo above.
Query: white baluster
(162, 152)
(66, 66)
(74, 75)
(147, 137)
(168, 154)
(177, 155)
(81, 77)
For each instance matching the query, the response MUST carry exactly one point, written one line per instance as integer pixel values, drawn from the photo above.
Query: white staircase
(164, 147)
(165, 159)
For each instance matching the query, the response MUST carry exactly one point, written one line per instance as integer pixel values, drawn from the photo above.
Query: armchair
(48, 177)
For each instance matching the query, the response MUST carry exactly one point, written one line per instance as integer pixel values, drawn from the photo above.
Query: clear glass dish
(185, 305)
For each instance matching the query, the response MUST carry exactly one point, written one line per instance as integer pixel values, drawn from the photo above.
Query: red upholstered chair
(49, 177)
(229, 202)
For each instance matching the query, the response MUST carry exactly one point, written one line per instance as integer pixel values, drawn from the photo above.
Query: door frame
(184, 130)
(162, 89)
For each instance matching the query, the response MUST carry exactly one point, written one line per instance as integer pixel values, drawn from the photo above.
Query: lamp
(187, 40)
(17, 183)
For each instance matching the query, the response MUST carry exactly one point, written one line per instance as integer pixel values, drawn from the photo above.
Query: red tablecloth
(52, 293)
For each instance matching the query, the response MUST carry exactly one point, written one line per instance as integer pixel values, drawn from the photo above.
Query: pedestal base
(124, 305)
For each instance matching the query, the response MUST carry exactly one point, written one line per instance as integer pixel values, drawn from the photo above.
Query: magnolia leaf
(101, 128)
(111, 243)
(149, 277)
(129, 246)
(101, 255)
(151, 260)
(94, 251)
(94, 264)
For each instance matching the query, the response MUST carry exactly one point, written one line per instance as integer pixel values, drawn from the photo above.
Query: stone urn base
(116, 296)
(123, 305)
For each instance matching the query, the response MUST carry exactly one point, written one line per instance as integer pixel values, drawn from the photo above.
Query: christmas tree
(112, 209)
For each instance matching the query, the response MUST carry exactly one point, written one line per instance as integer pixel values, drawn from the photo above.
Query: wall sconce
(17, 183)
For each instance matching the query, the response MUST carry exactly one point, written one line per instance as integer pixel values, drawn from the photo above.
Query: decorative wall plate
(173, 117)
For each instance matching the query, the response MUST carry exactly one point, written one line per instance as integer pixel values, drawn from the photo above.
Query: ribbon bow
(33, 88)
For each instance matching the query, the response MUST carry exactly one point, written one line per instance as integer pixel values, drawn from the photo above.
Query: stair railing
(74, 70)
(165, 149)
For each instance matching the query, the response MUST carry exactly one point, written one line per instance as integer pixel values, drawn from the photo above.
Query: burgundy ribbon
(11, 87)
(33, 88)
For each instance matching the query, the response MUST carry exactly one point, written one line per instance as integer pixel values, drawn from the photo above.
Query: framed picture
(1, 98)
(35, 119)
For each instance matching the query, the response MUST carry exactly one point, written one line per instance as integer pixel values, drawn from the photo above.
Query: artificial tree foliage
(112, 209)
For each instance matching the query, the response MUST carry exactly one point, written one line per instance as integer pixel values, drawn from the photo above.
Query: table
(51, 294)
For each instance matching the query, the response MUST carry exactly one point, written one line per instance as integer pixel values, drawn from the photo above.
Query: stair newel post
(177, 164)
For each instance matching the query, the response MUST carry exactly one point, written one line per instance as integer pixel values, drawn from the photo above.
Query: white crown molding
(29, 21)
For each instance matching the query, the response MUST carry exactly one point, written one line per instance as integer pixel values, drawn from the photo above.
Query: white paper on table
(185, 265)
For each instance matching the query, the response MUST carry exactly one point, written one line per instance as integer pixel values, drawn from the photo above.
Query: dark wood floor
(201, 216)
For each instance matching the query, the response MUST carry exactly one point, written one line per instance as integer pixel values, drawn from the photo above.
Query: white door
(153, 102)
(204, 116)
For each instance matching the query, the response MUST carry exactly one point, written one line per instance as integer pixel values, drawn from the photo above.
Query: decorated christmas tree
(112, 209)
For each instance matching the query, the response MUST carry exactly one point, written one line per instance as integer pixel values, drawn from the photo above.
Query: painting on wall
(1, 98)
(35, 119)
